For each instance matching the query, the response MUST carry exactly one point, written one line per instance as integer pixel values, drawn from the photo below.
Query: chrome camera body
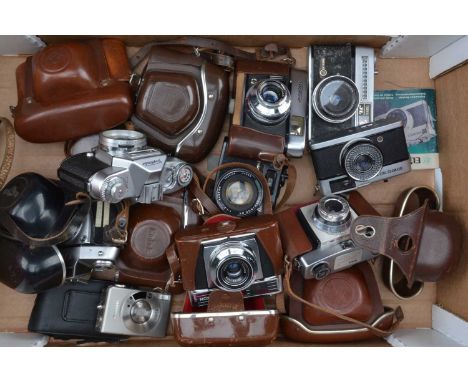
(124, 167)
(327, 223)
(133, 312)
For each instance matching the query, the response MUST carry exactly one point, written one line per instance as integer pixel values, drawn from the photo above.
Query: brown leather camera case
(226, 323)
(143, 260)
(181, 103)
(71, 90)
(353, 292)
(188, 242)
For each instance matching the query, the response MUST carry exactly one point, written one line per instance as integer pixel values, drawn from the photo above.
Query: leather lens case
(353, 292)
(226, 322)
(425, 244)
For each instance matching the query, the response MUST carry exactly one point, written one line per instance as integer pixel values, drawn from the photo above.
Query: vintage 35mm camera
(238, 192)
(133, 312)
(327, 224)
(341, 88)
(243, 255)
(358, 156)
(124, 167)
(274, 101)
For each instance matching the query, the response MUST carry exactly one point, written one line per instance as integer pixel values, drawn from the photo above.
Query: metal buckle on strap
(135, 80)
(197, 206)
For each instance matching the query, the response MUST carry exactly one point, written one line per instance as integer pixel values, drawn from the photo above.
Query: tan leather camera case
(72, 90)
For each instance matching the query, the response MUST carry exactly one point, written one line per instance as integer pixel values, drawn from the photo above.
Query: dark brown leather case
(181, 103)
(71, 90)
(226, 323)
(425, 244)
(143, 260)
(353, 292)
(188, 242)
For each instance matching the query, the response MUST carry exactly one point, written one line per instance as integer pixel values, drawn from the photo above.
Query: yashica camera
(271, 99)
(243, 255)
(358, 156)
(341, 88)
(238, 192)
(124, 167)
(133, 312)
(327, 224)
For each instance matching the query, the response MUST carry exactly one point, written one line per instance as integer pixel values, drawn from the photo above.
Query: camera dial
(335, 99)
(362, 161)
(119, 141)
(269, 101)
(233, 267)
(332, 214)
(113, 190)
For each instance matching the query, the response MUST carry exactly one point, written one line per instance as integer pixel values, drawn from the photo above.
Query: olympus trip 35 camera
(133, 312)
(233, 256)
(327, 224)
(124, 167)
(358, 156)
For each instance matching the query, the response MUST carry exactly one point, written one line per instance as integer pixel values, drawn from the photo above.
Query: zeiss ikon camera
(327, 224)
(124, 167)
(360, 155)
(238, 191)
(133, 312)
(232, 256)
(341, 88)
(276, 103)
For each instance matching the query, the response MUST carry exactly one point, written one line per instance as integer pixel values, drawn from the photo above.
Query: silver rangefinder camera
(133, 312)
(327, 223)
(124, 167)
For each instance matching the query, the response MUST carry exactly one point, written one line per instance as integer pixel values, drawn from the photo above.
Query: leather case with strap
(71, 90)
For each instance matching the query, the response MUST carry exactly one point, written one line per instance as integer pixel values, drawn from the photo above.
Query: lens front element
(363, 161)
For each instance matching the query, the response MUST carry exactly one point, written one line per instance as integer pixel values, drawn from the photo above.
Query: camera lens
(362, 161)
(332, 214)
(268, 101)
(117, 141)
(233, 266)
(335, 99)
(238, 192)
(140, 312)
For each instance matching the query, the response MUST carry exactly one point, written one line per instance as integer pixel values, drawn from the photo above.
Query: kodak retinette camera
(128, 311)
(124, 167)
(327, 224)
(243, 255)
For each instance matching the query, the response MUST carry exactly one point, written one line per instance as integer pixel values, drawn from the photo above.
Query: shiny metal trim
(378, 320)
(248, 313)
(62, 262)
(314, 101)
(204, 110)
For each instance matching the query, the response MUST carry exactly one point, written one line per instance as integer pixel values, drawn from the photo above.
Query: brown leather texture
(151, 230)
(188, 242)
(435, 245)
(181, 103)
(353, 292)
(293, 237)
(72, 90)
(249, 143)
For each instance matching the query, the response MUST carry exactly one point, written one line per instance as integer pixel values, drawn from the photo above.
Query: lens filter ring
(335, 99)
(115, 141)
(238, 192)
(332, 214)
(363, 162)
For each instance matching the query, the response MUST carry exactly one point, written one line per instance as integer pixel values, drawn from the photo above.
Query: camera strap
(397, 314)
(223, 53)
(70, 229)
(9, 150)
(279, 162)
